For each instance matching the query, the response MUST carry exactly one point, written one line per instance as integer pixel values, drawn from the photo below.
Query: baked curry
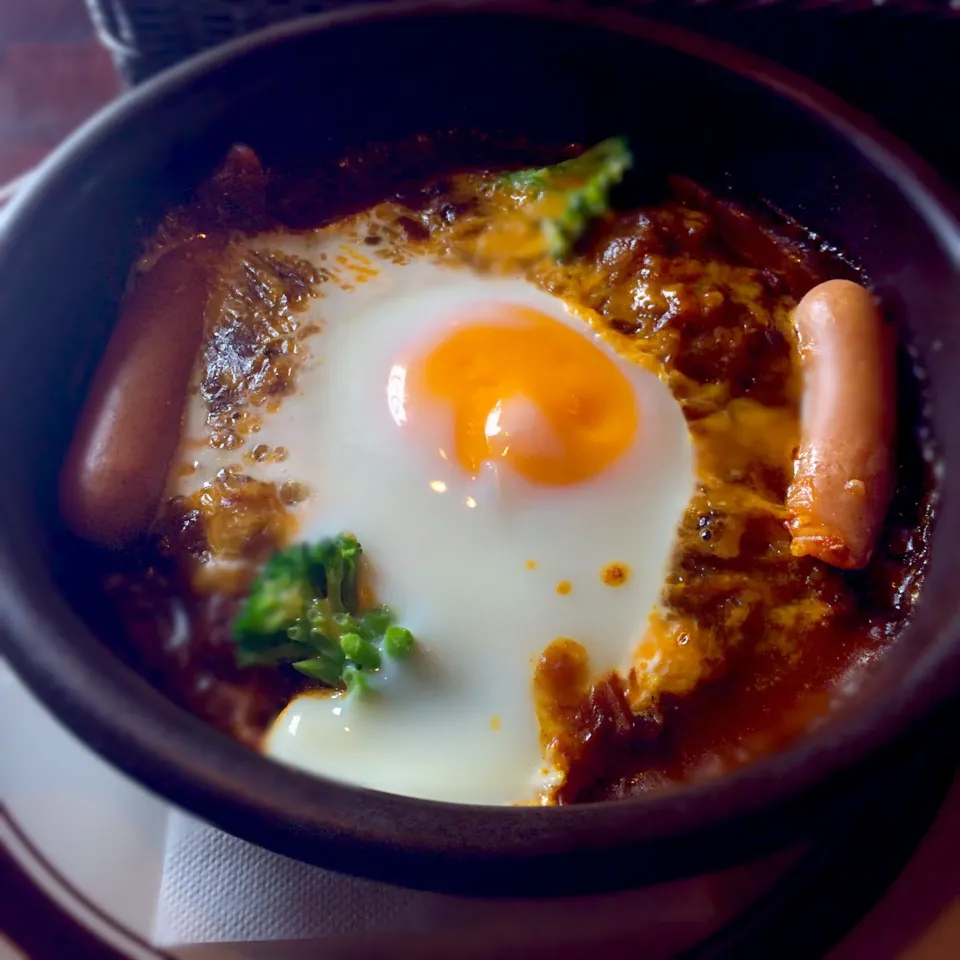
(692, 499)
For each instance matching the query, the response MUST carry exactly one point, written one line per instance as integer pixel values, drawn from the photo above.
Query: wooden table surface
(53, 75)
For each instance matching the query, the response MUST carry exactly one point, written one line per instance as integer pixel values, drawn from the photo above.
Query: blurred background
(62, 59)
(53, 75)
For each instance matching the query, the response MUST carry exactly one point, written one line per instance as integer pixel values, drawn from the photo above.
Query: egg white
(450, 552)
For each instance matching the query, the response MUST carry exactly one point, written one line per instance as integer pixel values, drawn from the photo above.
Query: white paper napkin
(164, 877)
(220, 890)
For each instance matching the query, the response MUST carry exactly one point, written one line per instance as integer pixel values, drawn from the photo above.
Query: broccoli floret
(323, 669)
(278, 599)
(583, 185)
(303, 610)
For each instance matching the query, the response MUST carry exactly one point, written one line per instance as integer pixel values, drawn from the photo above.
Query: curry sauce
(749, 643)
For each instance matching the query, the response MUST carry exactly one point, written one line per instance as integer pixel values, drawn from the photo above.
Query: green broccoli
(303, 610)
(583, 184)
(278, 599)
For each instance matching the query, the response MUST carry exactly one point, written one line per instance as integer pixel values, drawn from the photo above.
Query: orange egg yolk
(529, 391)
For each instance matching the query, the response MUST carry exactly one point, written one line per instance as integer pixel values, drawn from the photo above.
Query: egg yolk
(529, 391)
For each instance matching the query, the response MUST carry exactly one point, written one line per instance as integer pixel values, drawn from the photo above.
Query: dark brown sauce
(762, 697)
(762, 700)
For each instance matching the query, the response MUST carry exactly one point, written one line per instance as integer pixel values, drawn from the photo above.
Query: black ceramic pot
(551, 70)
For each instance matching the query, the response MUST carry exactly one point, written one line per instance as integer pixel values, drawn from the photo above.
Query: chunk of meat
(843, 472)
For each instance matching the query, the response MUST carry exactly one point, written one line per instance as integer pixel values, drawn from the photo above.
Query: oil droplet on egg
(615, 574)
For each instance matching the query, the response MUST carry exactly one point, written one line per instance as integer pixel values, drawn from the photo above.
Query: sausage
(116, 467)
(843, 471)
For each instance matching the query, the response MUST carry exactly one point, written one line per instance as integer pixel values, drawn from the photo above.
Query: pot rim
(354, 829)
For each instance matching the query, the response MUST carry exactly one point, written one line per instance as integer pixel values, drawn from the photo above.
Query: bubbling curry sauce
(749, 643)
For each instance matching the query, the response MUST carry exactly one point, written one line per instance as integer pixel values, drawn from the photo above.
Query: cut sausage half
(843, 472)
(116, 468)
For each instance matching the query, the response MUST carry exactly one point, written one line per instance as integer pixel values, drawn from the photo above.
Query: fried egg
(496, 458)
